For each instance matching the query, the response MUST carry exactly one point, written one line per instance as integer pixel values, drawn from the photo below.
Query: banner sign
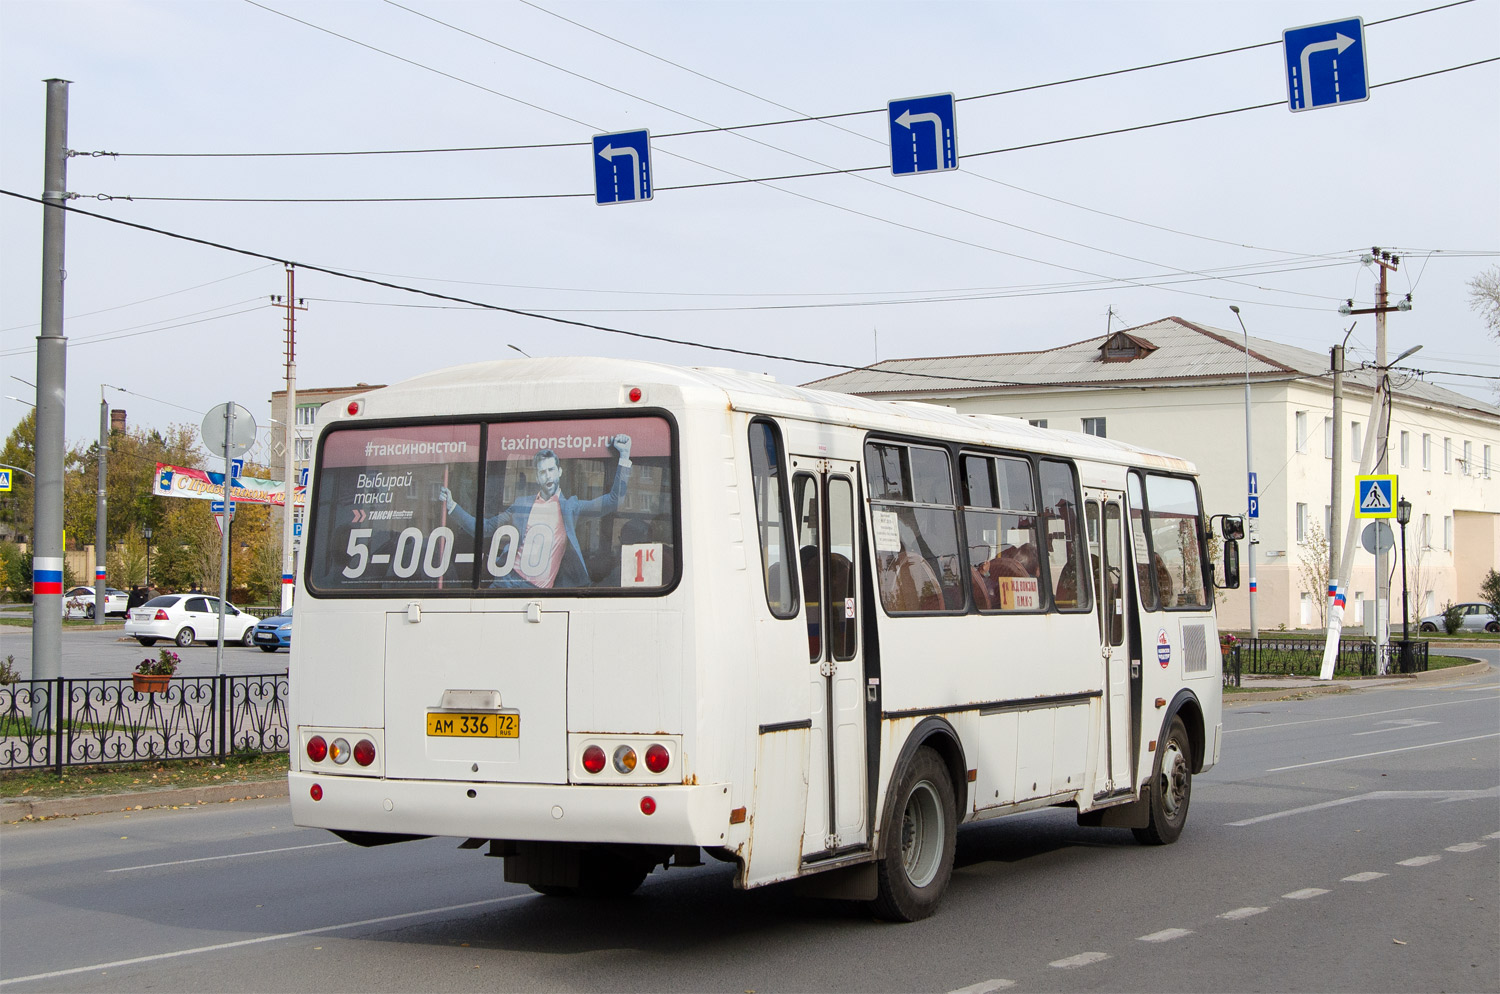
(200, 484)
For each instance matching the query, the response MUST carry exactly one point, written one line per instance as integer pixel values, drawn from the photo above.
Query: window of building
(303, 448)
(1424, 533)
(1359, 607)
(1406, 448)
(1093, 426)
(307, 413)
(1468, 461)
(1302, 523)
(1448, 533)
(1426, 451)
(1429, 603)
(1301, 426)
(1038, 422)
(1447, 455)
(1304, 613)
(1327, 438)
(1356, 440)
(1328, 522)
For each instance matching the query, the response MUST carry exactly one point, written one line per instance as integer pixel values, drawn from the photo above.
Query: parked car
(1476, 617)
(275, 632)
(188, 618)
(79, 602)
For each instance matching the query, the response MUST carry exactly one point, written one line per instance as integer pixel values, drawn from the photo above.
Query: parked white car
(79, 602)
(188, 618)
(1474, 617)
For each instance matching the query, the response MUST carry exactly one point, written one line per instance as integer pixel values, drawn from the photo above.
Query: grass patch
(24, 621)
(22, 727)
(78, 781)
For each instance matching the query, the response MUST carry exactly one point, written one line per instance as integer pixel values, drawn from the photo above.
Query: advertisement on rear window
(567, 505)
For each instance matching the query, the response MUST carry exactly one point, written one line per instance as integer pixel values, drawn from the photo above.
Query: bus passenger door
(826, 517)
(1105, 514)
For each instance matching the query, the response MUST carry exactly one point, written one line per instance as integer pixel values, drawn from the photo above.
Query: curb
(12, 811)
(1349, 686)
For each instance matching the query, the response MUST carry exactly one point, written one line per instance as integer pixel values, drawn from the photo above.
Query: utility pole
(1337, 490)
(101, 516)
(289, 430)
(51, 392)
(1373, 457)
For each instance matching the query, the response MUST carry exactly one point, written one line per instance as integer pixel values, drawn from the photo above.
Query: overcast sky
(1015, 250)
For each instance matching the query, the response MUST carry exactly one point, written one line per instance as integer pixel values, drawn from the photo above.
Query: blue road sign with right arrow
(923, 134)
(1325, 64)
(622, 167)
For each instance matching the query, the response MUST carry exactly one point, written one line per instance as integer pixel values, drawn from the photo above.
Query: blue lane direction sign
(622, 167)
(923, 134)
(1377, 496)
(1325, 64)
(236, 468)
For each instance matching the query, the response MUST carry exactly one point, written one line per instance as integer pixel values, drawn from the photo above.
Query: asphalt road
(1346, 843)
(106, 652)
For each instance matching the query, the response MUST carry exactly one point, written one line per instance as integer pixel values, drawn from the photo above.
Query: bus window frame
(791, 562)
(476, 587)
(1200, 522)
(950, 452)
(1085, 603)
(1044, 586)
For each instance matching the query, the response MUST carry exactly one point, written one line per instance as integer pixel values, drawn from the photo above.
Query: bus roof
(458, 389)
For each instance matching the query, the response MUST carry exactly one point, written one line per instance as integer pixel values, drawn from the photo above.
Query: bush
(1453, 617)
(1489, 589)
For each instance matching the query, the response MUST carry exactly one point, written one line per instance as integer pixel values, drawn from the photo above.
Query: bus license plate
(481, 726)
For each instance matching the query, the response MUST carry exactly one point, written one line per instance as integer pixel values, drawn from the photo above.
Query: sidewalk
(19, 809)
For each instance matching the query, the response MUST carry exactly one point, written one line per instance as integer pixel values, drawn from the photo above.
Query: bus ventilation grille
(1194, 649)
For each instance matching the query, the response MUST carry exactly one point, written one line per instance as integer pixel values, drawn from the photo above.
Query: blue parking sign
(1325, 64)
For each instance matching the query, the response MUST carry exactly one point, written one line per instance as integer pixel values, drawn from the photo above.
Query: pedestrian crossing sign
(1377, 496)
(4, 481)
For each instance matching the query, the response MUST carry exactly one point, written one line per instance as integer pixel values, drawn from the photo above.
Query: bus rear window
(565, 505)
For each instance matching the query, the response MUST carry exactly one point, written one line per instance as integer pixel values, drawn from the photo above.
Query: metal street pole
(229, 414)
(289, 436)
(101, 516)
(1403, 515)
(1250, 486)
(51, 392)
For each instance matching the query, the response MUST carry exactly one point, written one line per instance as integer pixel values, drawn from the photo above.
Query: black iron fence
(63, 722)
(1304, 657)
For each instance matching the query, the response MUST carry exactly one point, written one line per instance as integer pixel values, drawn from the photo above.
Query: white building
(1179, 387)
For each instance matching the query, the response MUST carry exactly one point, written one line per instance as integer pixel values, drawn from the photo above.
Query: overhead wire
(143, 300)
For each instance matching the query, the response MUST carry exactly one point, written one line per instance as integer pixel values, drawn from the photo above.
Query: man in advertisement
(550, 555)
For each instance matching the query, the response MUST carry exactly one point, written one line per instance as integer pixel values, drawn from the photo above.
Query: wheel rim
(1174, 780)
(185, 637)
(922, 831)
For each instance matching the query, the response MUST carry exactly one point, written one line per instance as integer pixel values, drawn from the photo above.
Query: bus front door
(825, 509)
(1104, 512)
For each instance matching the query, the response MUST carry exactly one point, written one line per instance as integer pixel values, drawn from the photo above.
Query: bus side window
(915, 528)
(773, 521)
(1061, 523)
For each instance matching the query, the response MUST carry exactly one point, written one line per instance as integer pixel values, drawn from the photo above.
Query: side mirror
(1234, 527)
(1231, 565)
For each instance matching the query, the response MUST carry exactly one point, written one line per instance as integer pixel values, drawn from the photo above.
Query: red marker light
(364, 752)
(316, 792)
(593, 759)
(648, 805)
(317, 749)
(657, 758)
(635, 395)
(353, 407)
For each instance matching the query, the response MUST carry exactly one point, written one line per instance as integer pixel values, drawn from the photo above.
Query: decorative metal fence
(63, 722)
(1304, 657)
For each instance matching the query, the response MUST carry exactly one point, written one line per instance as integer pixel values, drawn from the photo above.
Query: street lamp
(147, 532)
(1403, 515)
(1253, 499)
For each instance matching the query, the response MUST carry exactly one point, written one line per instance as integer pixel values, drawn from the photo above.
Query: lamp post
(147, 532)
(1403, 515)
(1253, 498)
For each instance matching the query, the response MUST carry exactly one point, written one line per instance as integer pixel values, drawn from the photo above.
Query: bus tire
(604, 873)
(1171, 788)
(917, 845)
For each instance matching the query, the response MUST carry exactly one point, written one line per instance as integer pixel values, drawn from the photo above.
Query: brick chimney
(116, 419)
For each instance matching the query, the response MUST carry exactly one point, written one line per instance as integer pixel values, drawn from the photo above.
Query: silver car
(188, 618)
(1477, 617)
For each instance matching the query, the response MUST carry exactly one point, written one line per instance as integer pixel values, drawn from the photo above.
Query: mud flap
(849, 883)
(1136, 814)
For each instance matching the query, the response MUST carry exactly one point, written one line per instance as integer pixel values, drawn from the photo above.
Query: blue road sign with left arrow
(1325, 64)
(923, 134)
(622, 167)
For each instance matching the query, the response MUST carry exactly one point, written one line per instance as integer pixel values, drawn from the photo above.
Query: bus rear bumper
(696, 815)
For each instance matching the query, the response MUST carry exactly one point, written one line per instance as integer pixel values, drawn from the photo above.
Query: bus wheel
(917, 846)
(605, 874)
(1171, 788)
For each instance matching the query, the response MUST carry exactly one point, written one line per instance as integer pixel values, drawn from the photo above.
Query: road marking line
(1239, 913)
(1466, 847)
(1385, 752)
(984, 987)
(206, 859)
(1363, 878)
(1363, 714)
(1165, 935)
(219, 946)
(1082, 959)
(1493, 835)
(1418, 861)
(1446, 796)
(1304, 893)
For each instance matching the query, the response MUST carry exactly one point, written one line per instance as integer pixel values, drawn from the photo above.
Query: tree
(20, 450)
(1484, 297)
(1312, 569)
(1489, 589)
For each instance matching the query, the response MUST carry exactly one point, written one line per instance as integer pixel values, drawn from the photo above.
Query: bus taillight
(625, 759)
(364, 752)
(317, 749)
(657, 758)
(593, 759)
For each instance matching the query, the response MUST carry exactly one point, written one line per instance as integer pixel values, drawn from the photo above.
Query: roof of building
(1180, 352)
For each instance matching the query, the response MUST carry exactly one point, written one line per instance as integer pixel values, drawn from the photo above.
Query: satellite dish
(240, 430)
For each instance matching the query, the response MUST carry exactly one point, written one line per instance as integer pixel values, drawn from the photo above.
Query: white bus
(603, 616)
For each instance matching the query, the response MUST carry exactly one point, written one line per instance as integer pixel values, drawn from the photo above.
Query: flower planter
(153, 683)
